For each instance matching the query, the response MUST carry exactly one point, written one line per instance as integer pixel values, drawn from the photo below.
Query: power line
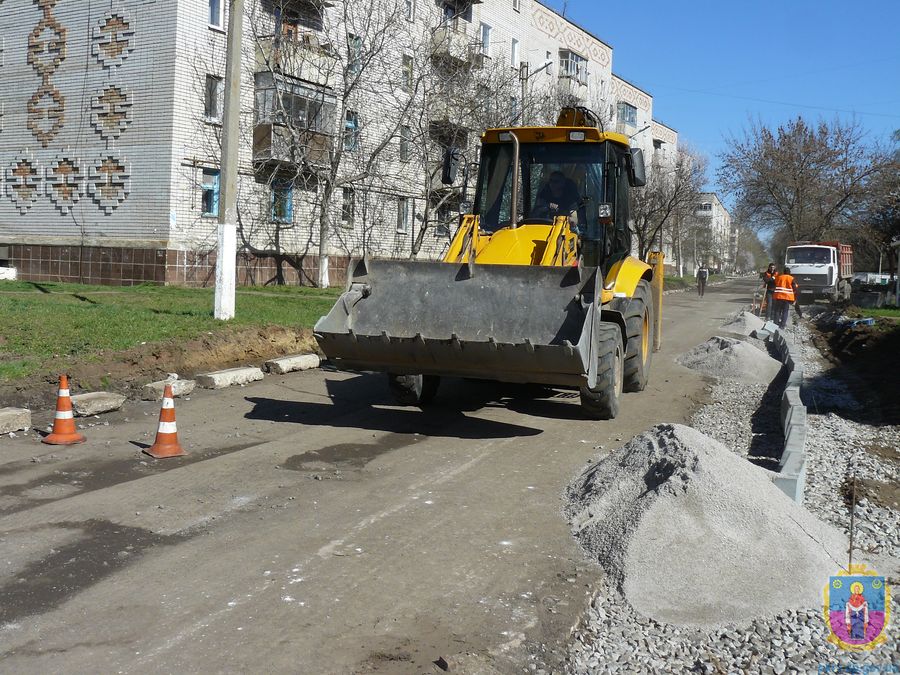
(786, 103)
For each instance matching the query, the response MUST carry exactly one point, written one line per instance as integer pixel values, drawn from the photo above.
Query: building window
(627, 114)
(657, 144)
(351, 131)
(348, 207)
(572, 65)
(212, 99)
(513, 107)
(517, 5)
(354, 54)
(209, 199)
(486, 39)
(705, 206)
(406, 72)
(403, 209)
(282, 202)
(405, 143)
(410, 10)
(514, 53)
(216, 19)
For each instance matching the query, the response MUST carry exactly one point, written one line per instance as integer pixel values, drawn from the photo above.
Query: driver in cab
(558, 197)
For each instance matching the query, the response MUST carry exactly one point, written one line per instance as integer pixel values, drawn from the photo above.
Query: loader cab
(586, 180)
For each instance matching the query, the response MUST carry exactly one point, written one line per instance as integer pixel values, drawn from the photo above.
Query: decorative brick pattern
(113, 39)
(109, 182)
(111, 111)
(46, 51)
(64, 182)
(23, 182)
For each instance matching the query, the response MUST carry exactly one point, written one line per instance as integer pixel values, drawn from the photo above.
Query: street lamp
(524, 76)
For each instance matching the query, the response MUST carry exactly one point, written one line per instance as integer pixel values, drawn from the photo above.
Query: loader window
(555, 179)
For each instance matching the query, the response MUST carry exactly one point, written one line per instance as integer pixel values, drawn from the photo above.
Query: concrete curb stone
(230, 377)
(288, 364)
(14, 419)
(96, 402)
(791, 478)
(153, 391)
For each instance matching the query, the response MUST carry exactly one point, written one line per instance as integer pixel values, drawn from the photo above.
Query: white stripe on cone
(168, 403)
(64, 415)
(167, 428)
(63, 392)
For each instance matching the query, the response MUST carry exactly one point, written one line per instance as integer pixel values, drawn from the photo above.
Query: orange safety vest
(784, 288)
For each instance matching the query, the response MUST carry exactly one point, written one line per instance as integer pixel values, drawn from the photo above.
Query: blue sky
(713, 66)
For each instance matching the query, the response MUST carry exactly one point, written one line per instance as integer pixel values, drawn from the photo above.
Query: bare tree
(801, 178)
(669, 197)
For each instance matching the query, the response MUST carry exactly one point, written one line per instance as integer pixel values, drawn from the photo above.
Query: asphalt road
(316, 528)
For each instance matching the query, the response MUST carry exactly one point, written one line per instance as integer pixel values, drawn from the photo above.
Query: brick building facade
(110, 127)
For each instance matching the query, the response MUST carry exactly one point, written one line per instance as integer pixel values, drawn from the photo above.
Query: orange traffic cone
(64, 422)
(166, 444)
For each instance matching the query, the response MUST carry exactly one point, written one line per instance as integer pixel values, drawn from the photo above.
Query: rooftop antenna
(565, 7)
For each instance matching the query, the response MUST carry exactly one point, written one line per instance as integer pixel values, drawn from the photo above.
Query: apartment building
(715, 240)
(110, 130)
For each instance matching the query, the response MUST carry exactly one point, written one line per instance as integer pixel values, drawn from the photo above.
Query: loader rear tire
(413, 389)
(602, 402)
(639, 327)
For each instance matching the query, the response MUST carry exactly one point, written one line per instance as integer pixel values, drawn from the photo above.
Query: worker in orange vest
(784, 296)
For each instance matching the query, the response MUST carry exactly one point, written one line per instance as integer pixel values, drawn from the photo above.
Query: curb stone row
(94, 403)
(791, 478)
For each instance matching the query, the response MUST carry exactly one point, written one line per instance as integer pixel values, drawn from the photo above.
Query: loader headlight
(576, 135)
(504, 136)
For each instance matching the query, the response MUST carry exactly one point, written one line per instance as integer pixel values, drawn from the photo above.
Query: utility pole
(226, 272)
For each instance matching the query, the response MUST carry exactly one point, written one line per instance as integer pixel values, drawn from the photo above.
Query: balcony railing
(280, 144)
(449, 43)
(303, 55)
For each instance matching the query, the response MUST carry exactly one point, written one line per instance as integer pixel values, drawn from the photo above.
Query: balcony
(275, 144)
(302, 55)
(454, 45)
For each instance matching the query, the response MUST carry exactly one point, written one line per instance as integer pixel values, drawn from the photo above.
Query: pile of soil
(728, 358)
(694, 535)
(127, 371)
(868, 355)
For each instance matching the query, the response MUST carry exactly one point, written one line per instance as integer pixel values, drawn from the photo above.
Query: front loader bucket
(500, 322)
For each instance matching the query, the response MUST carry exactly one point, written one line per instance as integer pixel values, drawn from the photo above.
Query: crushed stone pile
(729, 358)
(744, 324)
(694, 535)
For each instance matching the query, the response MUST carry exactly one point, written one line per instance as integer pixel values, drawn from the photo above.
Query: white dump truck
(822, 269)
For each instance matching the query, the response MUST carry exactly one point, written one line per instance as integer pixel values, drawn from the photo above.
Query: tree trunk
(322, 280)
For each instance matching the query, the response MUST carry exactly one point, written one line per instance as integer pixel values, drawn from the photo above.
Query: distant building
(715, 241)
(110, 124)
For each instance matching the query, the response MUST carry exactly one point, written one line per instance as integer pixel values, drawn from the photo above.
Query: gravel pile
(743, 323)
(673, 504)
(733, 359)
(615, 638)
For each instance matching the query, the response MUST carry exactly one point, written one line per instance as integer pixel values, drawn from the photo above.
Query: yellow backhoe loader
(538, 284)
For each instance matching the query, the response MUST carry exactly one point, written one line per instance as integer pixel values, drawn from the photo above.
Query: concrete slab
(288, 364)
(14, 419)
(154, 390)
(770, 326)
(228, 378)
(790, 399)
(761, 334)
(793, 481)
(96, 402)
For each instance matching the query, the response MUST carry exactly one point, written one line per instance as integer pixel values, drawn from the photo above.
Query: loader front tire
(602, 402)
(639, 327)
(413, 389)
